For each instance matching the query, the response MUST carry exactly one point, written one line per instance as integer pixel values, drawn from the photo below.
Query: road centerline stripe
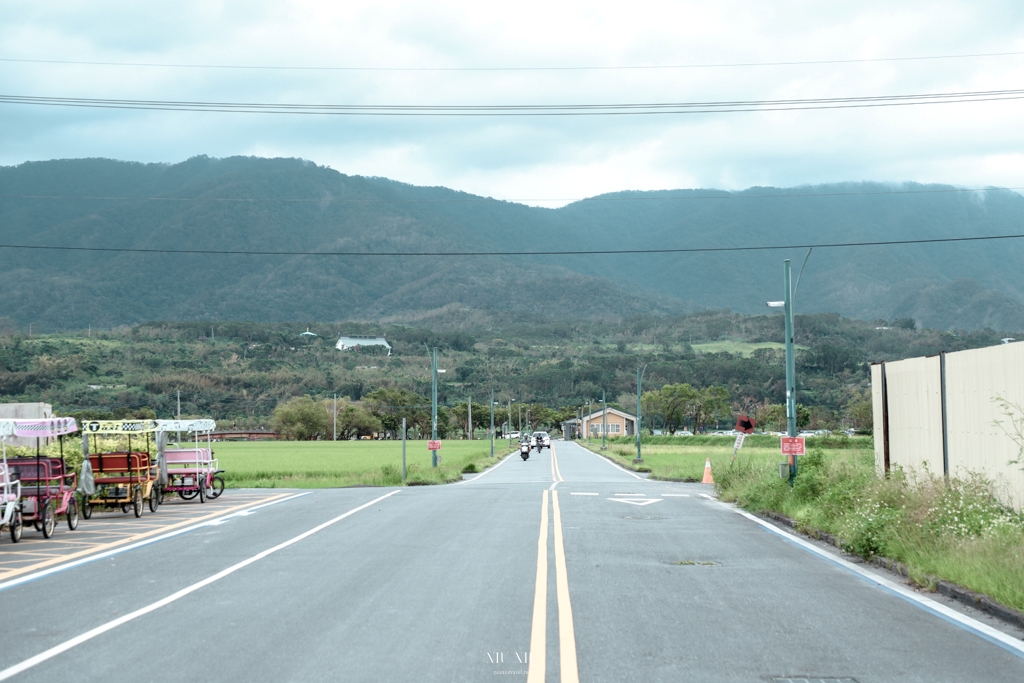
(110, 625)
(538, 630)
(566, 630)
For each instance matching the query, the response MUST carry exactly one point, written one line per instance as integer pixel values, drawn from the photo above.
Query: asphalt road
(592, 571)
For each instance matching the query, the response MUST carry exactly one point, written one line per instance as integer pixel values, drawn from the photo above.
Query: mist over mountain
(255, 204)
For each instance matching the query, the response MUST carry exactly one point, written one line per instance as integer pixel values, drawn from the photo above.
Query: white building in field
(351, 342)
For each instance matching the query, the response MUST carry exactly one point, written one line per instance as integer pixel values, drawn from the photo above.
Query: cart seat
(102, 481)
(41, 491)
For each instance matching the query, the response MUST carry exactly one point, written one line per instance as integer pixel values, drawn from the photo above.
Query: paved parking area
(112, 528)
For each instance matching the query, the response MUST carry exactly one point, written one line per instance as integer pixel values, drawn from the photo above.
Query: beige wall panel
(876, 410)
(976, 444)
(915, 415)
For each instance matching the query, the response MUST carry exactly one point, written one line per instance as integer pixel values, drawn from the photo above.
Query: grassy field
(744, 349)
(683, 458)
(327, 464)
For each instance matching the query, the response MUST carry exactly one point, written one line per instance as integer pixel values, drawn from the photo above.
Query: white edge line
(598, 455)
(110, 625)
(984, 631)
(138, 544)
(486, 472)
(704, 495)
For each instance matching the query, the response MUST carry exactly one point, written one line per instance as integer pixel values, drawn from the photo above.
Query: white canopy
(186, 425)
(43, 428)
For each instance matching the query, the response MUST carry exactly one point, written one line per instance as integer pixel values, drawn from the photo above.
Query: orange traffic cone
(708, 479)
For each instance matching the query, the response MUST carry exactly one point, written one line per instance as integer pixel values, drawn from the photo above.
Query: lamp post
(639, 414)
(492, 423)
(433, 410)
(604, 422)
(787, 305)
(510, 422)
(590, 419)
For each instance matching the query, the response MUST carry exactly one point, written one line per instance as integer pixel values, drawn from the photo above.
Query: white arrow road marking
(634, 501)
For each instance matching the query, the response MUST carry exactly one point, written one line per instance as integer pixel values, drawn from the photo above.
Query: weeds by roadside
(958, 531)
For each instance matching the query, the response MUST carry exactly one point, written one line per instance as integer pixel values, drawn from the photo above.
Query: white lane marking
(117, 551)
(704, 495)
(676, 495)
(110, 625)
(552, 487)
(612, 464)
(485, 472)
(578, 493)
(634, 501)
(979, 629)
(641, 495)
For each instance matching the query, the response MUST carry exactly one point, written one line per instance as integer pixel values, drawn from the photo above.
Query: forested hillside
(242, 371)
(253, 204)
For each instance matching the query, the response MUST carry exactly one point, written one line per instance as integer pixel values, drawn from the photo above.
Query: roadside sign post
(744, 425)
(790, 369)
(793, 447)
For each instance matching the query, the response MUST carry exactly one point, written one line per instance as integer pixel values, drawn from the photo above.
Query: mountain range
(291, 205)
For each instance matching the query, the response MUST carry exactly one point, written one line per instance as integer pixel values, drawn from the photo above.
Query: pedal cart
(37, 489)
(192, 471)
(123, 479)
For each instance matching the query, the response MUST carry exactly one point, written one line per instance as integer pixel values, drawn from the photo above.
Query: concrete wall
(973, 440)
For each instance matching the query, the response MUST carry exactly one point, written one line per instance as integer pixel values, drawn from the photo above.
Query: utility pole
(335, 417)
(790, 365)
(639, 414)
(604, 422)
(433, 411)
(469, 419)
(590, 418)
(179, 412)
(492, 423)
(509, 421)
(403, 450)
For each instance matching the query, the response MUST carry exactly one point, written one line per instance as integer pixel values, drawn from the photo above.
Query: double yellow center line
(566, 631)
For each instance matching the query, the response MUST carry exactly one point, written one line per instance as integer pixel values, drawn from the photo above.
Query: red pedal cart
(192, 472)
(37, 489)
(122, 479)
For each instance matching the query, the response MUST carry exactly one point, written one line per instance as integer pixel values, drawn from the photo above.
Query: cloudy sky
(445, 52)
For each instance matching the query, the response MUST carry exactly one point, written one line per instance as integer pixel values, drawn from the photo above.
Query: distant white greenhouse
(345, 342)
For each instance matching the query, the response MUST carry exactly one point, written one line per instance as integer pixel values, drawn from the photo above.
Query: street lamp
(787, 305)
(604, 422)
(492, 423)
(639, 417)
(433, 409)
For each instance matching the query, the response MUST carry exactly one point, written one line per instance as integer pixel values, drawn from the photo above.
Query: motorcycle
(524, 450)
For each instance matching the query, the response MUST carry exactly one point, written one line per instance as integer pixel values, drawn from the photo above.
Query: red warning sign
(436, 446)
(793, 445)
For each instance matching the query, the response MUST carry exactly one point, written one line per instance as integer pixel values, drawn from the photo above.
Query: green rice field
(683, 458)
(327, 464)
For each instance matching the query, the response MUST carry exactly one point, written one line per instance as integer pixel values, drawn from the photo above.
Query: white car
(541, 440)
(513, 435)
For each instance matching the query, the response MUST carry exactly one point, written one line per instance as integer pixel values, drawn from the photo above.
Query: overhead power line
(585, 252)
(636, 67)
(624, 109)
(724, 194)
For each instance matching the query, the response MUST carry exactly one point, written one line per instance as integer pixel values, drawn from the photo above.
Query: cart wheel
(49, 520)
(154, 498)
(73, 513)
(188, 495)
(16, 527)
(125, 507)
(216, 488)
(202, 492)
(159, 495)
(86, 508)
(137, 502)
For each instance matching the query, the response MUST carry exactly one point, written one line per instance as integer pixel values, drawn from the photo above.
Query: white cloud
(971, 144)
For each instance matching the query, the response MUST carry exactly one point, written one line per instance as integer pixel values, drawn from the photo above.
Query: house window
(615, 428)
